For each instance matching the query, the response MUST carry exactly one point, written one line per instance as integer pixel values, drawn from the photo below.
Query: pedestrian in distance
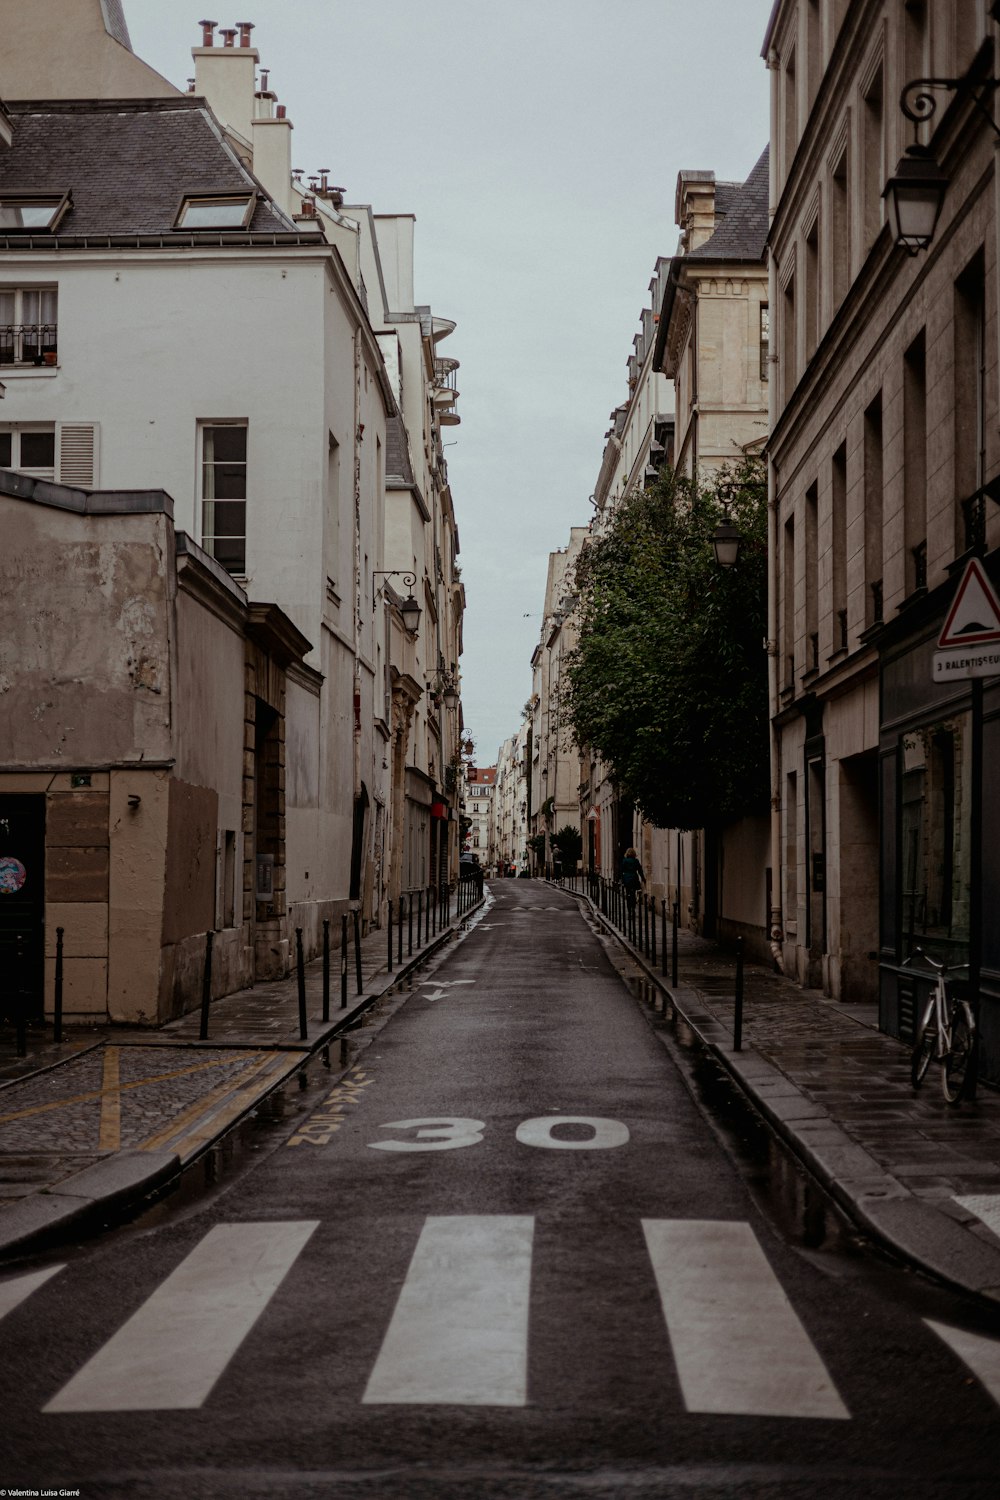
(633, 876)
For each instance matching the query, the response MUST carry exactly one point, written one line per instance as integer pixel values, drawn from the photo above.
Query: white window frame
(58, 204)
(209, 537)
(247, 202)
(12, 333)
(17, 431)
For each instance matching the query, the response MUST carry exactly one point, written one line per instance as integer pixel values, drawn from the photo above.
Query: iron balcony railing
(27, 343)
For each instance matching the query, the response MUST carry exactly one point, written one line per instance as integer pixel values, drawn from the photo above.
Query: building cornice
(270, 628)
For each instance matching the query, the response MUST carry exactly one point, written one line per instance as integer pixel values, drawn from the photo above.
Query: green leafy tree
(570, 846)
(669, 679)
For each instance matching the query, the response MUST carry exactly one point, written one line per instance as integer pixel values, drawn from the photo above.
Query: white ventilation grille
(78, 454)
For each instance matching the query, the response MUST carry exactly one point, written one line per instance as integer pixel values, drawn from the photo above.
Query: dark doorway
(22, 906)
(358, 844)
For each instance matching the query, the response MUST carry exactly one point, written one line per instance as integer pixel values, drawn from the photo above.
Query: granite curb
(82, 1202)
(876, 1201)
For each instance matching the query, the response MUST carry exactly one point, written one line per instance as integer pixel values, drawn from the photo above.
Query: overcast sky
(538, 143)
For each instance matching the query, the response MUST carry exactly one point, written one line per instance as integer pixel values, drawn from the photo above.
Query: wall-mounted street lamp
(726, 540)
(409, 609)
(914, 194)
(913, 198)
(443, 688)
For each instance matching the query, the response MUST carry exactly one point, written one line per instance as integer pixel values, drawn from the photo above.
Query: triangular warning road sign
(974, 617)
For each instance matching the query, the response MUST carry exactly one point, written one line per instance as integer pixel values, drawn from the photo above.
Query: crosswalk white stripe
(13, 1292)
(982, 1355)
(459, 1332)
(170, 1353)
(739, 1347)
(986, 1206)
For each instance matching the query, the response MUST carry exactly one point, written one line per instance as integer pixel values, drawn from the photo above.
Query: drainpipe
(775, 931)
(775, 923)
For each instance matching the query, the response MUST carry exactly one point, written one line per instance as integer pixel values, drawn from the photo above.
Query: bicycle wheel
(923, 1050)
(957, 1065)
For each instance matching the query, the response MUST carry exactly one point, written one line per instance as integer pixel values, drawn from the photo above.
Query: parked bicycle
(946, 1033)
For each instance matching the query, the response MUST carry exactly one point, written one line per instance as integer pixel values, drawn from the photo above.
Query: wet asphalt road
(429, 1289)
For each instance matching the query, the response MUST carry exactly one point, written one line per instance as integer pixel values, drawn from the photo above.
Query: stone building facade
(884, 451)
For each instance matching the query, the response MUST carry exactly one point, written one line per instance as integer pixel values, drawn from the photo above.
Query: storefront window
(936, 828)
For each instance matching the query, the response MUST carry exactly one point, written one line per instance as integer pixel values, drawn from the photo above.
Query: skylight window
(40, 212)
(229, 211)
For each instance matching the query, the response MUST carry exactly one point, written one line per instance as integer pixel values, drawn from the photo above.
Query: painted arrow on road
(441, 985)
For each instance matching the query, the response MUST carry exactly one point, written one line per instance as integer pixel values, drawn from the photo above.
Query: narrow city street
(509, 1253)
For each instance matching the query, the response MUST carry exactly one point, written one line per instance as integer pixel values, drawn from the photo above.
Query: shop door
(22, 907)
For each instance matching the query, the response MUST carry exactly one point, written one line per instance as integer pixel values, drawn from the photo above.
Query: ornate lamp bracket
(920, 98)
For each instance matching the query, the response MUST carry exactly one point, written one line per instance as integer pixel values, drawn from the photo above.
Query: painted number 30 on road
(448, 1133)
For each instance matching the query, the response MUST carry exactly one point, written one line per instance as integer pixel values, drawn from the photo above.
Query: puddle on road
(794, 1202)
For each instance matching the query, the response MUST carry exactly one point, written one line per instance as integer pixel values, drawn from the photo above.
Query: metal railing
(27, 343)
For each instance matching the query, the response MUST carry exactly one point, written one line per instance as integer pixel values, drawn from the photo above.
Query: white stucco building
(179, 314)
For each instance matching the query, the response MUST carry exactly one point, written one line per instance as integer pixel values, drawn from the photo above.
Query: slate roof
(127, 164)
(398, 469)
(115, 23)
(742, 235)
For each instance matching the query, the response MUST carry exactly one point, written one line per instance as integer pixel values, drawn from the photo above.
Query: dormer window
(215, 211)
(37, 213)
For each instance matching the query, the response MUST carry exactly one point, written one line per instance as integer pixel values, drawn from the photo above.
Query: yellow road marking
(198, 1109)
(110, 1134)
(141, 1083)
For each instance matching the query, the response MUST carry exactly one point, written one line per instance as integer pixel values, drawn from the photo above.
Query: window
(838, 560)
(788, 601)
(30, 450)
(915, 463)
(936, 836)
(970, 401)
(812, 576)
(231, 211)
(873, 458)
(788, 336)
(27, 325)
(224, 493)
(840, 230)
(32, 212)
(811, 289)
(873, 150)
(765, 340)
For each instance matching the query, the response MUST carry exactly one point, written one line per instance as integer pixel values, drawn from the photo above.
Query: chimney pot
(207, 33)
(280, 114)
(228, 35)
(245, 28)
(190, 85)
(264, 75)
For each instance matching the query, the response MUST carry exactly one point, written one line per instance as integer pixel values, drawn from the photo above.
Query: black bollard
(663, 943)
(420, 918)
(300, 974)
(58, 998)
(206, 987)
(399, 951)
(389, 925)
(343, 961)
(326, 970)
(652, 931)
(20, 997)
(357, 951)
(409, 926)
(738, 1001)
(673, 951)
